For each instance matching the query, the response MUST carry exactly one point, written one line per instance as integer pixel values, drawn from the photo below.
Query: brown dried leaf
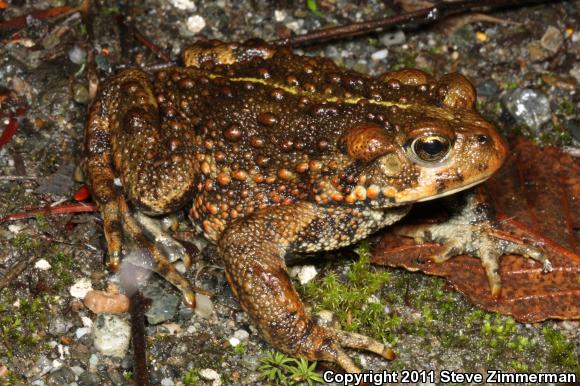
(540, 187)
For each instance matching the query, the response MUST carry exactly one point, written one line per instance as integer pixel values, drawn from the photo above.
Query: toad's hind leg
(253, 249)
(127, 139)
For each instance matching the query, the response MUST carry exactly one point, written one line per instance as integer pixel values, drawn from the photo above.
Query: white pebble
(279, 15)
(234, 341)
(80, 288)
(15, 228)
(167, 382)
(203, 306)
(380, 54)
(77, 55)
(87, 322)
(42, 265)
(111, 335)
(195, 23)
(210, 375)
(304, 273)
(185, 5)
(241, 334)
(82, 331)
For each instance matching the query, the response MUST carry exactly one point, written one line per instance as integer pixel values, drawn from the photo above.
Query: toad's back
(244, 136)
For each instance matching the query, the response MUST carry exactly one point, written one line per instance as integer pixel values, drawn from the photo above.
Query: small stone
(234, 341)
(62, 376)
(172, 328)
(87, 322)
(241, 334)
(185, 5)
(564, 82)
(536, 52)
(488, 88)
(106, 303)
(77, 55)
(80, 288)
(574, 126)
(210, 375)
(42, 265)
(328, 319)
(203, 306)
(195, 23)
(163, 305)
(529, 106)
(15, 228)
(77, 370)
(82, 331)
(380, 55)
(111, 335)
(394, 38)
(90, 379)
(80, 93)
(304, 273)
(552, 39)
(60, 182)
(94, 360)
(167, 382)
(279, 15)
(575, 72)
(57, 326)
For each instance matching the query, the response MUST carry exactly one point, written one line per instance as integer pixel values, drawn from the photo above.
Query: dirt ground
(47, 335)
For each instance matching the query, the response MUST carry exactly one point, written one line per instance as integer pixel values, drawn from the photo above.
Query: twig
(13, 272)
(138, 337)
(44, 210)
(20, 21)
(161, 54)
(419, 17)
(17, 178)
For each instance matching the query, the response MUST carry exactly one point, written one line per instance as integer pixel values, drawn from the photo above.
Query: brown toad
(282, 153)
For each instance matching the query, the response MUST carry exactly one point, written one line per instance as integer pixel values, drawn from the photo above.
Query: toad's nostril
(482, 139)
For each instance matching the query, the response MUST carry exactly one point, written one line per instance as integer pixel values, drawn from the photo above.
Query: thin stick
(138, 337)
(419, 17)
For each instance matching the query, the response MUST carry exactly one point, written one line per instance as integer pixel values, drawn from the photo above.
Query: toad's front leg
(474, 230)
(253, 249)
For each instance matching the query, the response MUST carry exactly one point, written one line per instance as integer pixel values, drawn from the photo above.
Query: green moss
(353, 298)
(508, 86)
(22, 323)
(562, 352)
(191, 377)
(62, 267)
(241, 348)
(389, 305)
(25, 243)
(41, 221)
(566, 107)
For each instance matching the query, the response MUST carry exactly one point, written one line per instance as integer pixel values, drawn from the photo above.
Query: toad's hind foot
(161, 263)
(474, 231)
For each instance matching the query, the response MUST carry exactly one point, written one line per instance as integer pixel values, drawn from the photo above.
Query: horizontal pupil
(432, 147)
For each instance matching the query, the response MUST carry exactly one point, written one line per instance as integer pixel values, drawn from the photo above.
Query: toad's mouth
(453, 191)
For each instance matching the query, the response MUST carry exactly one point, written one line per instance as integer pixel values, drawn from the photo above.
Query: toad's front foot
(472, 230)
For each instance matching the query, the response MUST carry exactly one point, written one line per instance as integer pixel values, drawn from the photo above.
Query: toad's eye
(430, 148)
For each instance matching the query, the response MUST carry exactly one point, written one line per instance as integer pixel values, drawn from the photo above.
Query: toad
(273, 153)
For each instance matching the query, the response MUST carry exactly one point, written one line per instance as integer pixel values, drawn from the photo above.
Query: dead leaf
(537, 192)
